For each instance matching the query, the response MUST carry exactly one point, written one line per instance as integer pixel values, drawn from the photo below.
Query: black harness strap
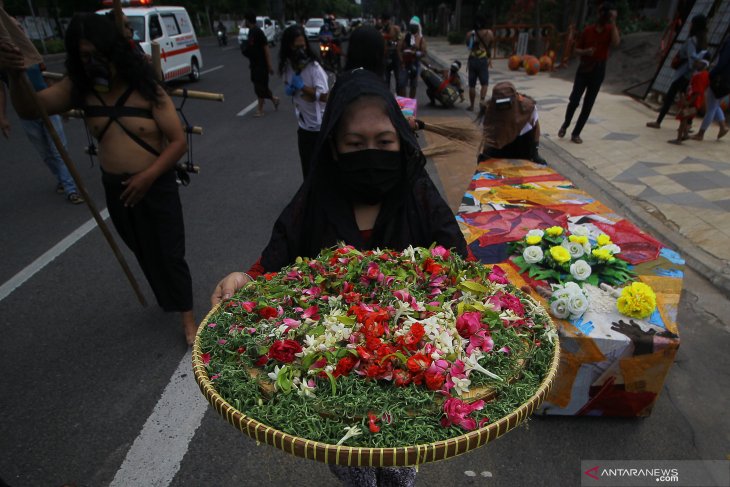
(115, 112)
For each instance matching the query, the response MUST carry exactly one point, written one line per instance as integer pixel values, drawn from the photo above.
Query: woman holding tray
(368, 188)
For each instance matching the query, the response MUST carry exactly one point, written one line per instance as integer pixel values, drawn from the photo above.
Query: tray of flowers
(377, 358)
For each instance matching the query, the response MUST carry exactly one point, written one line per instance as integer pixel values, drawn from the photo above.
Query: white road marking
(247, 109)
(155, 456)
(34, 267)
(216, 68)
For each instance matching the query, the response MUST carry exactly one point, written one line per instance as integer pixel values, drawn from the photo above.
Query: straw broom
(9, 31)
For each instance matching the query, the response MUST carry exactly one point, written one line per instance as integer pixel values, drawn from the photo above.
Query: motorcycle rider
(222, 35)
(329, 44)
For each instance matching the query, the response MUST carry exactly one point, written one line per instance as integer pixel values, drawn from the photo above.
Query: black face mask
(98, 71)
(414, 29)
(366, 176)
(299, 59)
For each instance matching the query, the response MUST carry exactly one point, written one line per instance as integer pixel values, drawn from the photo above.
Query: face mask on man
(367, 176)
(99, 72)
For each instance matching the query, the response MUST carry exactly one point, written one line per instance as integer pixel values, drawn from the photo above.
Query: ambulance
(171, 28)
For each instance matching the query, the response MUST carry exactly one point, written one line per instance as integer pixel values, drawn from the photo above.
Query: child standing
(693, 101)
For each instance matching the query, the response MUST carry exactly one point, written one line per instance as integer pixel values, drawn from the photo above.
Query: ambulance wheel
(194, 70)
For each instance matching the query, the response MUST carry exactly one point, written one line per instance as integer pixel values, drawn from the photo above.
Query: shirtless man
(478, 41)
(393, 61)
(140, 141)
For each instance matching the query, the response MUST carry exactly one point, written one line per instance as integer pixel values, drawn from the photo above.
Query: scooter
(330, 54)
(222, 38)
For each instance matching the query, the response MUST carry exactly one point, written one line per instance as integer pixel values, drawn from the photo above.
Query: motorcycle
(222, 38)
(438, 88)
(330, 54)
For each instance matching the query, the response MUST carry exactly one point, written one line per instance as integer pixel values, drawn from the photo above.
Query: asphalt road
(97, 390)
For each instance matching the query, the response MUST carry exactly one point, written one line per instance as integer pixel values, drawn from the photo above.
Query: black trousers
(307, 141)
(677, 86)
(154, 230)
(588, 83)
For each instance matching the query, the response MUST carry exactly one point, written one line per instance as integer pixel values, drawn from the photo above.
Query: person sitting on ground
(692, 102)
(140, 141)
(511, 126)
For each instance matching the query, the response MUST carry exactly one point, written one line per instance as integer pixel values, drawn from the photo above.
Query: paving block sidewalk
(681, 194)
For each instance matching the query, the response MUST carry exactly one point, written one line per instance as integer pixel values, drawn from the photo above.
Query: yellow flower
(533, 239)
(560, 254)
(603, 254)
(554, 231)
(637, 300)
(603, 239)
(581, 239)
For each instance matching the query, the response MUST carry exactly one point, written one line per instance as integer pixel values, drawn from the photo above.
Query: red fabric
(636, 246)
(256, 269)
(512, 224)
(599, 41)
(697, 86)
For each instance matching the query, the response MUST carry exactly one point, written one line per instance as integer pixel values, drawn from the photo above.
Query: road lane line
(247, 109)
(156, 454)
(29, 271)
(216, 68)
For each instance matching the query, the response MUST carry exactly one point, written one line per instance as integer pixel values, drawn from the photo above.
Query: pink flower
(291, 324)
(440, 251)
(481, 341)
(457, 411)
(205, 358)
(248, 306)
(498, 275)
(439, 366)
(505, 301)
(373, 272)
(314, 292)
(468, 323)
(311, 312)
(505, 349)
(212, 325)
(222, 341)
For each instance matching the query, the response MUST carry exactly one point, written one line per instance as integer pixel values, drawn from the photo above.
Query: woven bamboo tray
(364, 456)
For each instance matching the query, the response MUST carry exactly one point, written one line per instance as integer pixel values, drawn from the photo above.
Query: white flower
(472, 363)
(277, 371)
(350, 431)
(535, 233)
(532, 254)
(577, 305)
(304, 388)
(580, 230)
(559, 308)
(613, 248)
(580, 270)
(559, 292)
(410, 253)
(573, 288)
(461, 385)
(575, 249)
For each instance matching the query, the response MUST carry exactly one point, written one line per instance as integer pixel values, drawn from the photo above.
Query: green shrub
(53, 46)
(456, 37)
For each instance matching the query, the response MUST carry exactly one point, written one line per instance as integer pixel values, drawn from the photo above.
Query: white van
(171, 28)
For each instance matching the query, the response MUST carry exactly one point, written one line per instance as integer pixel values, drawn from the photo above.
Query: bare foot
(189, 326)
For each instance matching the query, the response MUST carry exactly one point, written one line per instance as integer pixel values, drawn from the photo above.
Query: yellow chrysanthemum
(560, 254)
(554, 231)
(603, 239)
(581, 239)
(637, 300)
(533, 239)
(603, 254)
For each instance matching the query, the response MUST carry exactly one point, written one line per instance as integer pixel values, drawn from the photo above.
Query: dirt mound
(633, 62)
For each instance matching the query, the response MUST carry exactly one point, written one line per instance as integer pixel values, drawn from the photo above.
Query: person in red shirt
(693, 102)
(593, 51)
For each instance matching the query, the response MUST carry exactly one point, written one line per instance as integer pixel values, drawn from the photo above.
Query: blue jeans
(714, 112)
(41, 139)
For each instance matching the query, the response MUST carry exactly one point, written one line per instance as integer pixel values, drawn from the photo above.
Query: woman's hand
(228, 285)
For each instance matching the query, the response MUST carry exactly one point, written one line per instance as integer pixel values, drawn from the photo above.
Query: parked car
(264, 23)
(289, 23)
(277, 30)
(312, 27)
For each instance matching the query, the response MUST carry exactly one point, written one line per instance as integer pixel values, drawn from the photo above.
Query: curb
(638, 211)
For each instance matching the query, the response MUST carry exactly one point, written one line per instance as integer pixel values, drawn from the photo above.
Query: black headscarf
(320, 215)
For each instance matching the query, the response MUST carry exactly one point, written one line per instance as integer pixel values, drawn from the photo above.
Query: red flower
(498, 275)
(468, 323)
(240, 350)
(430, 266)
(374, 428)
(434, 381)
(345, 366)
(284, 350)
(262, 361)
(415, 334)
(269, 275)
(267, 312)
(205, 358)
(401, 377)
(418, 363)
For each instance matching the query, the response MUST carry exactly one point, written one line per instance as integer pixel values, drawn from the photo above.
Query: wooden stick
(39, 108)
(156, 63)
